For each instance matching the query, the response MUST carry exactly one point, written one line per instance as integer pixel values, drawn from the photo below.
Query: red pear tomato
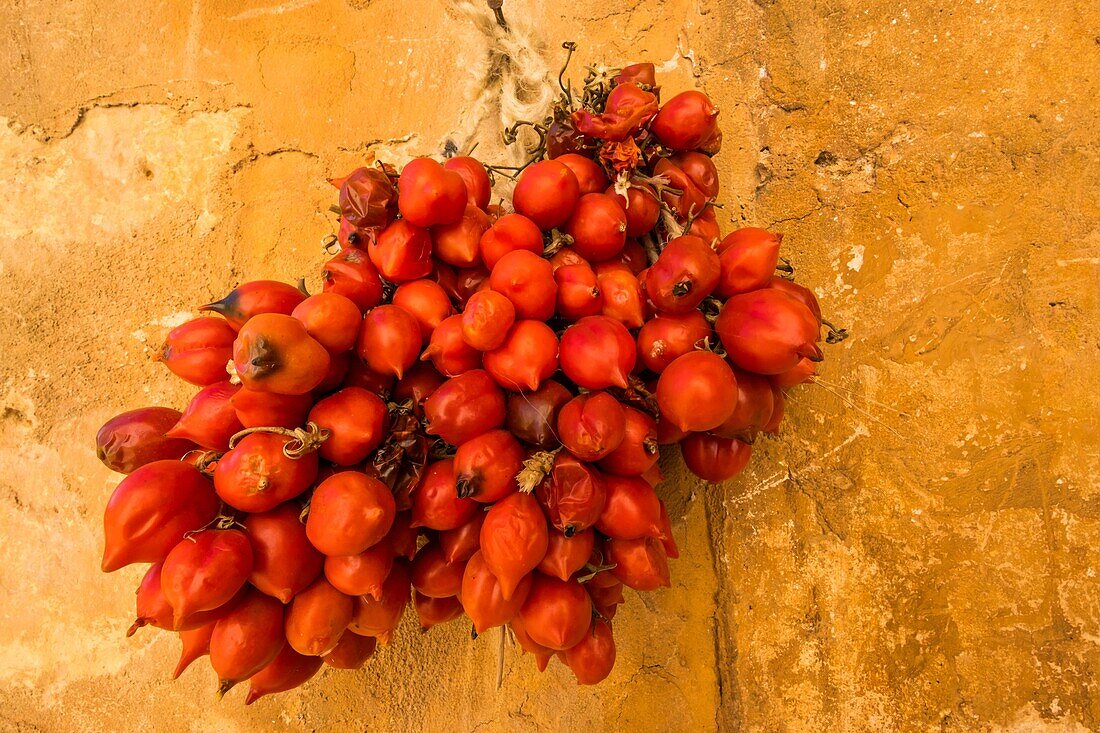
(426, 301)
(715, 459)
(356, 420)
(546, 193)
(435, 501)
(513, 539)
(429, 194)
(348, 513)
(353, 275)
(198, 350)
(697, 391)
(253, 298)
(152, 509)
(475, 178)
(527, 280)
(507, 234)
(284, 563)
(486, 466)
(528, 355)
(464, 407)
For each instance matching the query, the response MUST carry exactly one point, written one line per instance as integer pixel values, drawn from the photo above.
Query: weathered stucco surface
(918, 550)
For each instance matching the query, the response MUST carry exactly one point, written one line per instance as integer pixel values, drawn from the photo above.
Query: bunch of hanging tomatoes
(468, 416)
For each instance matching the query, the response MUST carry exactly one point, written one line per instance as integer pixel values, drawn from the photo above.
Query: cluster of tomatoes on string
(469, 415)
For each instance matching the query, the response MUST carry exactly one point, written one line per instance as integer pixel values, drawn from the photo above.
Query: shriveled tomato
(697, 391)
(487, 319)
(464, 407)
(317, 617)
(198, 350)
(556, 613)
(368, 199)
(715, 459)
(284, 563)
(257, 475)
(527, 280)
(389, 341)
(253, 298)
(546, 193)
(486, 466)
(598, 352)
(152, 509)
(429, 194)
(573, 495)
(627, 109)
(356, 420)
(134, 438)
(349, 512)
(436, 503)
(513, 539)
(482, 598)
(507, 234)
(528, 355)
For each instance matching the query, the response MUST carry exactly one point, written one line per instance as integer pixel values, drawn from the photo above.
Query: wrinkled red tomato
(134, 438)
